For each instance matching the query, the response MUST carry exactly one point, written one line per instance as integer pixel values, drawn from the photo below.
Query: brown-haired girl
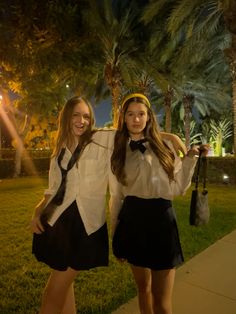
(69, 224)
(150, 174)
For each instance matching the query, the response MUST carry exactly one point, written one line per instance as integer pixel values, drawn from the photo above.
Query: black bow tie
(134, 145)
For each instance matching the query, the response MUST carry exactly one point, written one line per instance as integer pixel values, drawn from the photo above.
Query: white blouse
(146, 178)
(87, 181)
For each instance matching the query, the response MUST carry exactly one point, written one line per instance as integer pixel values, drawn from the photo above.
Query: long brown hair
(151, 133)
(64, 133)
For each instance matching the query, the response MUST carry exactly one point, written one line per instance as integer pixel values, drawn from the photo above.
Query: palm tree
(197, 99)
(160, 51)
(208, 18)
(230, 20)
(197, 38)
(114, 44)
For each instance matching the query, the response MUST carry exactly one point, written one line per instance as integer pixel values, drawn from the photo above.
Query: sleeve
(115, 201)
(184, 170)
(53, 178)
(116, 197)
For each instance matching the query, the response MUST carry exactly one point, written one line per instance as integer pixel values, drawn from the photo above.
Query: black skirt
(147, 234)
(67, 244)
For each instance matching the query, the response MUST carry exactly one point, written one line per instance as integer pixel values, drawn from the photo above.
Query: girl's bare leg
(142, 277)
(57, 290)
(162, 288)
(69, 305)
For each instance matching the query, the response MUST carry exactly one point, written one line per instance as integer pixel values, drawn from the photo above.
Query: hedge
(220, 169)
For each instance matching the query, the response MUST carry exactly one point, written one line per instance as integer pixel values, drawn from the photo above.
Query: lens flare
(26, 161)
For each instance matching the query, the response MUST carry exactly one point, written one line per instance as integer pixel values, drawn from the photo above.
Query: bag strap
(204, 171)
(202, 162)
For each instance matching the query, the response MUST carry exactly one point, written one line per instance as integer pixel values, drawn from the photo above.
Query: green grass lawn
(102, 290)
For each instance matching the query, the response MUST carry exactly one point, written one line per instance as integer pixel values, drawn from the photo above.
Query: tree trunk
(231, 55)
(230, 21)
(18, 159)
(187, 101)
(167, 103)
(113, 80)
(234, 114)
(115, 94)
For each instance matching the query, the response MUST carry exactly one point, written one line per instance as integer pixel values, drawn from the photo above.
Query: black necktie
(59, 196)
(134, 145)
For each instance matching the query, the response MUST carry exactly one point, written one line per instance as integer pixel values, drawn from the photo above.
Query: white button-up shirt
(87, 181)
(146, 178)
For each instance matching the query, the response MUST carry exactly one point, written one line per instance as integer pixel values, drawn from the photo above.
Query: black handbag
(199, 207)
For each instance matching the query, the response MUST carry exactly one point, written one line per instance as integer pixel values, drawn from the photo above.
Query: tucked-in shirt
(146, 178)
(87, 181)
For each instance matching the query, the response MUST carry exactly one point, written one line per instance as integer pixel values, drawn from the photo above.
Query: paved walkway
(206, 284)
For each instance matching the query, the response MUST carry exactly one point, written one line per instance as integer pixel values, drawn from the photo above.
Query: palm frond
(182, 12)
(152, 10)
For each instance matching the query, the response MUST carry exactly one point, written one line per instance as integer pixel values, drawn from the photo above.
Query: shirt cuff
(190, 161)
(49, 192)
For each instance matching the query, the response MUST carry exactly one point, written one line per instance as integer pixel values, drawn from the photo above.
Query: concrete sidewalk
(206, 284)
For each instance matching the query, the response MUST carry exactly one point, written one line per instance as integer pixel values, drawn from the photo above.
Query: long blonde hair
(64, 133)
(151, 133)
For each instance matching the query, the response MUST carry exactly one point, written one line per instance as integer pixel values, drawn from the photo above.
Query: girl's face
(80, 119)
(136, 118)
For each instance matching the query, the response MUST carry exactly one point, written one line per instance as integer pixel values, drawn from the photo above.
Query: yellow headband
(134, 96)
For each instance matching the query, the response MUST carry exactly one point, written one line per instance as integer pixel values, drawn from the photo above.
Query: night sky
(102, 112)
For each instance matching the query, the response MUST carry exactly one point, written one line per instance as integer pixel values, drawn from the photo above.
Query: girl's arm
(35, 224)
(184, 168)
(53, 181)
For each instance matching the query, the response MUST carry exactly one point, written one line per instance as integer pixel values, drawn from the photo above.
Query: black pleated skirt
(67, 244)
(147, 234)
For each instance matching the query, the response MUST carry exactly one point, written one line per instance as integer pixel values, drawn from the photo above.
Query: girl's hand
(36, 225)
(196, 149)
(204, 149)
